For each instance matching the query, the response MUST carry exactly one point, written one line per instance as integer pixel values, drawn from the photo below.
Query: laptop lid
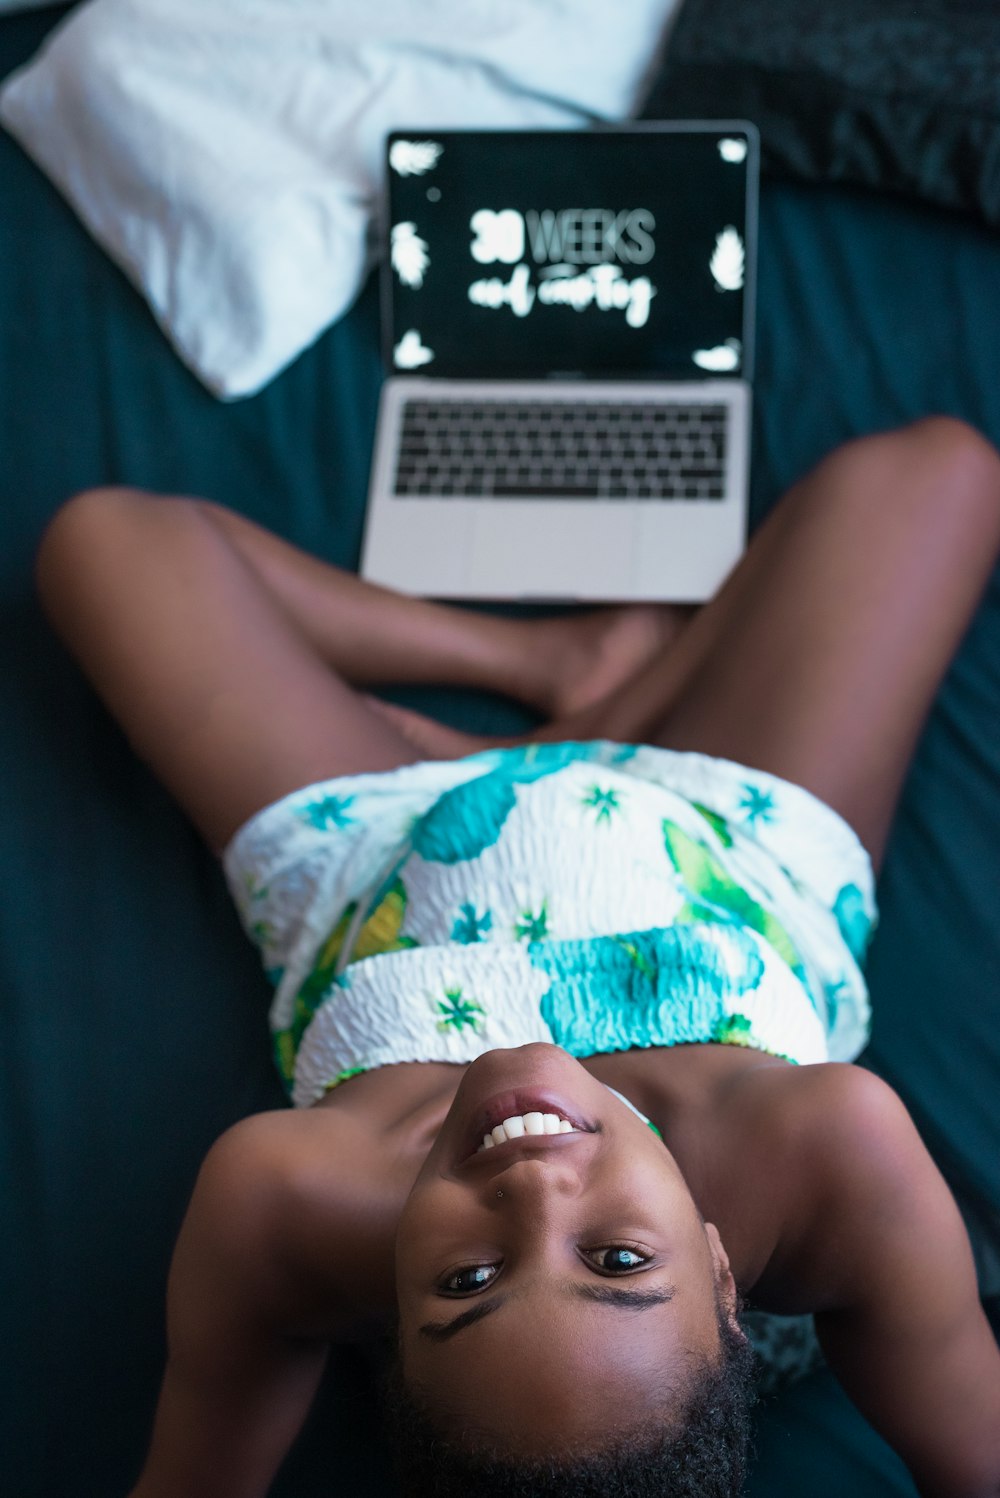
(607, 253)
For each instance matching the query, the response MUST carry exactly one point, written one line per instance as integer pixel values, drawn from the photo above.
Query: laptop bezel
(630, 129)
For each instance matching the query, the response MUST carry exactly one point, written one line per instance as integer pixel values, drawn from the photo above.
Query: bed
(135, 1012)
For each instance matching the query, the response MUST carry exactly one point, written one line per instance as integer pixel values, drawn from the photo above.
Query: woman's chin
(530, 1062)
(536, 1078)
(538, 1065)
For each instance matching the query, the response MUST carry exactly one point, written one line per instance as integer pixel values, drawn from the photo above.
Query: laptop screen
(601, 252)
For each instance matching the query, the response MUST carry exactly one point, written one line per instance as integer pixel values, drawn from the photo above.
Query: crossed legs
(232, 659)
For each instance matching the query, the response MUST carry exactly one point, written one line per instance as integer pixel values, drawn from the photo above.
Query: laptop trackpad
(560, 549)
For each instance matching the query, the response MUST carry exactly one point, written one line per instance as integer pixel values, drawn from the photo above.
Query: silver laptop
(568, 325)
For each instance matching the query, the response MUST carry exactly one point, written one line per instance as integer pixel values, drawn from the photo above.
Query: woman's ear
(728, 1294)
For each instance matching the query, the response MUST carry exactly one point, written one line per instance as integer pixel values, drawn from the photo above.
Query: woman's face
(555, 1285)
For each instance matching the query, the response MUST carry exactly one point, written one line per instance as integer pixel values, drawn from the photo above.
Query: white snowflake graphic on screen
(412, 158)
(721, 359)
(733, 150)
(411, 351)
(728, 260)
(408, 254)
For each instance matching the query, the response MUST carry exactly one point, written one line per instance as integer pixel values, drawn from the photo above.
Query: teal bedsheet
(134, 1010)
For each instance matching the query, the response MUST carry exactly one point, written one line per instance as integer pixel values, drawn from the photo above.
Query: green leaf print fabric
(379, 932)
(714, 894)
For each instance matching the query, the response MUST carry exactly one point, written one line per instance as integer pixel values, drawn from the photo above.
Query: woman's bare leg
(213, 641)
(374, 635)
(820, 656)
(210, 680)
(225, 652)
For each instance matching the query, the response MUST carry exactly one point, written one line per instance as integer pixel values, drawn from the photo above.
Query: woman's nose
(533, 1180)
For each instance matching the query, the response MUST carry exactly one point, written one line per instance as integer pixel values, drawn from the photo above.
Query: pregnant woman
(565, 1021)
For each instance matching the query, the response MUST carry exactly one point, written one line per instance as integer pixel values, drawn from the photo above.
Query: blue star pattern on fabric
(327, 812)
(470, 925)
(459, 1013)
(757, 805)
(604, 803)
(533, 925)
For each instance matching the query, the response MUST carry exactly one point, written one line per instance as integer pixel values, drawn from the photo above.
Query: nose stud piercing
(499, 1193)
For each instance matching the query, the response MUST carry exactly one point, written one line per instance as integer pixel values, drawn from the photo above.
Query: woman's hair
(701, 1454)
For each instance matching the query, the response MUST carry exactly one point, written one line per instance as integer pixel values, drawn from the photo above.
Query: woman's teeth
(526, 1123)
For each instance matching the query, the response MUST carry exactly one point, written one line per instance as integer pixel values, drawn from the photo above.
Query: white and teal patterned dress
(596, 895)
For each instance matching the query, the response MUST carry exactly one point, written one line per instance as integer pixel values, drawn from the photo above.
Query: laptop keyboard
(513, 448)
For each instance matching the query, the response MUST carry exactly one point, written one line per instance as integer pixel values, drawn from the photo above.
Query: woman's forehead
(582, 1369)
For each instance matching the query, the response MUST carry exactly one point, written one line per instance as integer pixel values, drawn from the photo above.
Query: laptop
(568, 326)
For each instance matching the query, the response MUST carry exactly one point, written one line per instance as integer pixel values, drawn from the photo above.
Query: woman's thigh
(214, 686)
(820, 657)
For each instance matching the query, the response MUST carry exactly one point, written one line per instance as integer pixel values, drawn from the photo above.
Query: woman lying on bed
(540, 1006)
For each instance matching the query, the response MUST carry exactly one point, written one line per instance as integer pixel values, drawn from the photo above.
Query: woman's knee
(82, 527)
(956, 480)
(69, 536)
(76, 520)
(95, 506)
(938, 441)
(957, 444)
(88, 551)
(939, 468)
(943, 456)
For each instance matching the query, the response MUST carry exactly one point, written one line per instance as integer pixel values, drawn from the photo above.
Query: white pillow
(227, 152)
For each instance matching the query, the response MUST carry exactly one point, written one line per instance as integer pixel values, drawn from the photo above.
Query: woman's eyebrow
(609, 1295)
(440, 1331)
(632, 1299)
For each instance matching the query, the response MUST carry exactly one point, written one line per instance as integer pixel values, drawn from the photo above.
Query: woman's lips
(529, 1144)
(516, 1102)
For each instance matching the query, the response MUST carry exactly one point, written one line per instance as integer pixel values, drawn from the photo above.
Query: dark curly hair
(702, 1455)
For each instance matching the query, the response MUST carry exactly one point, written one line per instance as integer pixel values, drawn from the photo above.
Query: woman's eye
(466, 1281)
(617, 1260)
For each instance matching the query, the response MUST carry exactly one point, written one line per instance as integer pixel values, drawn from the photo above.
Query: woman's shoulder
(828, 1100)
(300, 1190)
(805, 1141)
(820, 1120)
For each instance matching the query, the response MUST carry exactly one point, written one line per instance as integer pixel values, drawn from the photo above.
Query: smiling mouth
(525, 1118)
(527, 1125)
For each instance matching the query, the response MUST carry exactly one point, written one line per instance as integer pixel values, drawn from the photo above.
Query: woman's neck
(681, 1090)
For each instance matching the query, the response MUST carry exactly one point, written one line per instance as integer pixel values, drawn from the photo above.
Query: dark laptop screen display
(516, 253)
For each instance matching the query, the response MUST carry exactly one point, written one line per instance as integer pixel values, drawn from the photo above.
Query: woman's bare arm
(234, 1398)
(250, 1314)
(904, 1329)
